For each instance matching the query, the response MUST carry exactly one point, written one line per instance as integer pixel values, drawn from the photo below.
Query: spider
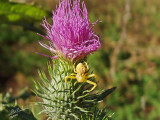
(81, 75)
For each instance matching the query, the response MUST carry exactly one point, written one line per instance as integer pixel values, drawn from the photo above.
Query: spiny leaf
(75, 116)
(20, 114)
(81, 109)
(105, 93)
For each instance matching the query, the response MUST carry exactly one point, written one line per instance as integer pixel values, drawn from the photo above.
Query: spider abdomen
(81, 78)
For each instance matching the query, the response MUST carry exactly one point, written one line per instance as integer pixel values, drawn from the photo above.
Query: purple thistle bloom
(71, 36)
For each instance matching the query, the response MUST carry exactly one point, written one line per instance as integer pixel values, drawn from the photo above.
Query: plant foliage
(71, 100)
(20, 13)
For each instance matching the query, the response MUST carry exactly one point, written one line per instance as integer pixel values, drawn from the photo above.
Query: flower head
(71, 36)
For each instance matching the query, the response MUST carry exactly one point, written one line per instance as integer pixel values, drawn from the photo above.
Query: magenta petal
(55, 57)
(71, 33)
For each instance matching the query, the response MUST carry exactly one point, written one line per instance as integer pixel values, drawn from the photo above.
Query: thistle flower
(71, 36)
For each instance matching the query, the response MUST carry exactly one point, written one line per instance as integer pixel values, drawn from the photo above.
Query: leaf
(4, 115)
(16, 12)
(105, 93)
(21, 14)
(17, 113)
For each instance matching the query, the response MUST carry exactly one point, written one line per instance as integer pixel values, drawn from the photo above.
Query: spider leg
(87, 66)
(86, 74)
(73, 74)
(75, 68)
(92, 75)
(90, 82)
(71, 77)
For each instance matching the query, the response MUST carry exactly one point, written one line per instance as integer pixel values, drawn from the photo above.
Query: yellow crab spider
(81, 75)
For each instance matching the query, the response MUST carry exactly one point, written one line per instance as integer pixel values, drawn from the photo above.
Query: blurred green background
(129, 57)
